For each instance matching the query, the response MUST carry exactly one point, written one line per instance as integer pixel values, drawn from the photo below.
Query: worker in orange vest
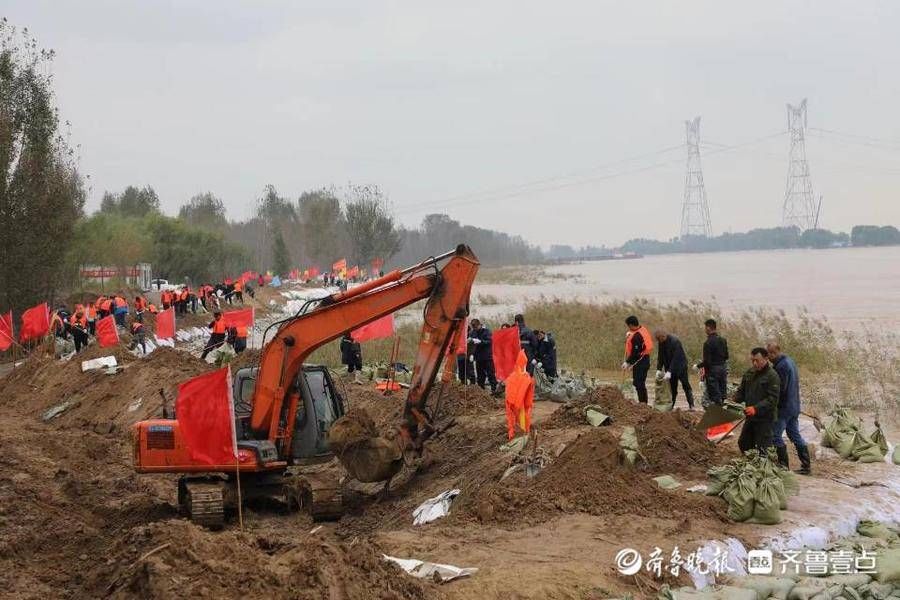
(638, 347)
(91, 313)
(79, 325)
(218, 332)
(138, 336)
(140, 305)
(519, 397)
(166, 298)
(237, 337)
(239, 290)
(106, 307)
(151, 308)
(120, 310)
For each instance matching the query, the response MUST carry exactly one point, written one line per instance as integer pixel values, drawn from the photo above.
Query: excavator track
(205, 504)
(316, 493)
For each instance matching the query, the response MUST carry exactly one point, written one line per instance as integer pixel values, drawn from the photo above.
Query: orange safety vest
(91, 312)
(107, 305)
(648, 342)
(242, 331)
(136, 327)
(139, 304)
(218, 326)
(184, 294)
(79, 321)
(152, 308)
(120, 302)
(166, 297)
(238, 286)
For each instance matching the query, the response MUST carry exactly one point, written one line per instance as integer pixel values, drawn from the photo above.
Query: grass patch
(488, 300)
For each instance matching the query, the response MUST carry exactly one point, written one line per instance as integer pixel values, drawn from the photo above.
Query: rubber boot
(805, 462)
(782, 453)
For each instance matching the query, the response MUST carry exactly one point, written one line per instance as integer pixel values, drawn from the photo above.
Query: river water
(848, 286)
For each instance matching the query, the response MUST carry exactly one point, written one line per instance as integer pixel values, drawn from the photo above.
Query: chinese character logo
(759, 562)
(628, 561)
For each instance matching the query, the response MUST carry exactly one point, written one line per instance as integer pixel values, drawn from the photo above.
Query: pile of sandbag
(380, 370)
(564, 387)
(837, 580)
(844, 434)
(754, 487)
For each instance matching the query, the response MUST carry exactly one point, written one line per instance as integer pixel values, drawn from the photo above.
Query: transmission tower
(800, 207)
(694, 210)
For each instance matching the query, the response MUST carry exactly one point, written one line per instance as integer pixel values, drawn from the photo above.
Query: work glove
(659, 374)
(540, 364)
(750, 411)
(625, 366)
(476, 341)
(534, 361)
(471, 358)
(667, 376)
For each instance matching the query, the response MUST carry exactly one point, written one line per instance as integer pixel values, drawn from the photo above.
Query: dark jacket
(670, 356)
(760, 389)
(528, 340)
(715, 351)
(789, 397)
(546, 353)
(351, 352)
(482, 350)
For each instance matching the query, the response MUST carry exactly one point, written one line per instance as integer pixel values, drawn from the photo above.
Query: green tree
(281, 260)
(204, 210)
(132, 202)
(323, 226)
(41, 191)
(370, 225)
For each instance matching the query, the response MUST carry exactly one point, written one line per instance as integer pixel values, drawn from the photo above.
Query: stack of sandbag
(662, 398)
(754, 487)
(629, 451)
(564, 387)
(844, 434)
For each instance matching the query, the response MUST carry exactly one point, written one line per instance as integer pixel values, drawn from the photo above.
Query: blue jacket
(789, 396)
(482, 351)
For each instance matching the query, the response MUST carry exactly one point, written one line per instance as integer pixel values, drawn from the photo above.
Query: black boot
(805, 463)
(783, 460)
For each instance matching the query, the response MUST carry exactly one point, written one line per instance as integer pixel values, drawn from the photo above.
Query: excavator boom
(447, 292)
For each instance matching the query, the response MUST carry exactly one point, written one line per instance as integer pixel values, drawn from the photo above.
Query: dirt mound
(587, 478)
(610, 398)
(176, 559)
(247, 358)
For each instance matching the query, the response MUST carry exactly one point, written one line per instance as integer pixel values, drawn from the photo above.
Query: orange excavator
(284, 408)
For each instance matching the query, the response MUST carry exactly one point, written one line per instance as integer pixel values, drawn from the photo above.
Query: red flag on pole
(6, 331)
(165, 324)
(339, 266)
(205, 412)
(238, 318)
(376, 330)
(313, 272)
(505, 348)
(107, 334)
(35, 322)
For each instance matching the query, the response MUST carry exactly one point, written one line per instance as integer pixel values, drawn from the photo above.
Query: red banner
(107, 334)
(353, 272)
(376, 330)
(205, 413)
(239, 318)
(294, 274)
(35, 322)
(165, 324)
(505, 347)
(6, 331)
(313, 272)
(339, 265)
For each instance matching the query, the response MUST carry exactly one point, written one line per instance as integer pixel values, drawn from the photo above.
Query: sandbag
(740, 495)
(895, 458)
(725, 592)
(662, 398)
(878, 437)
(875, 529)
(767, 586)
(888, 565)
(766, 509)
(844, 442)
(628, 445)
(865, 450)
(719, 478)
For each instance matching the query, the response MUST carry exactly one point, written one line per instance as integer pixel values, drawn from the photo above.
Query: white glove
(659, 374)
(624, 365)
(471, 358)
(667, 376)
(540, 364)
(476, 341)
(534, 361)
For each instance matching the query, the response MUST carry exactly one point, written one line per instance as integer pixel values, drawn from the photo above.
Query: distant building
(138, 276)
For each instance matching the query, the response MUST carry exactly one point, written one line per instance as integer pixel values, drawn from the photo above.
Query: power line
(864, 140)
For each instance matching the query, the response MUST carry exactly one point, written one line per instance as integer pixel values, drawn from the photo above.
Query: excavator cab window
(322, 407)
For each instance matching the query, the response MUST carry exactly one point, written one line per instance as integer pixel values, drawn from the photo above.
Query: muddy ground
(76, 521)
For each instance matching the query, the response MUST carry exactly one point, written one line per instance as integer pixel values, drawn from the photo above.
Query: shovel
(716, 415)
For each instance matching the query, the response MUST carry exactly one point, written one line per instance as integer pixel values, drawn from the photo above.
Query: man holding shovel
(758, 392)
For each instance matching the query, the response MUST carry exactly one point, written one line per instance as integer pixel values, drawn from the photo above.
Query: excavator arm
(447, 292)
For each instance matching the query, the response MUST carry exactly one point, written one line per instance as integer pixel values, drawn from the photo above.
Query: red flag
(339, 265)
(205, 413)
(505, 347)
(6, 331)
(353, 272)
(107, 334)
(376, 330)
(313, 272)
(239, 318)
(165, 324)
(229, 281)
(35, 322)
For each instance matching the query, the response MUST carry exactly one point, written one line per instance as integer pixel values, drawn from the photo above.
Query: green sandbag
(767, 586)
(875, 529)
(740, 497)
(888, 565)
(878, 437)
(843, 443)
(767, 504)
(662, 398)
(896, 456)
(719, 478)
(629, 446)
(778, 485)
(864, 449)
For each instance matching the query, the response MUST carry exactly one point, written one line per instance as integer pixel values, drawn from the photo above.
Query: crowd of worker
(80, 322)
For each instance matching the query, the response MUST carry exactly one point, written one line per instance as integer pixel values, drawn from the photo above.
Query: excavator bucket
(367, 456)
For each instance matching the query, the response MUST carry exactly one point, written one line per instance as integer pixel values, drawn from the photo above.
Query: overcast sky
(517, 116)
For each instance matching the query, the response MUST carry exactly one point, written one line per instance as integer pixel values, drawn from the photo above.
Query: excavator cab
(318, 407)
